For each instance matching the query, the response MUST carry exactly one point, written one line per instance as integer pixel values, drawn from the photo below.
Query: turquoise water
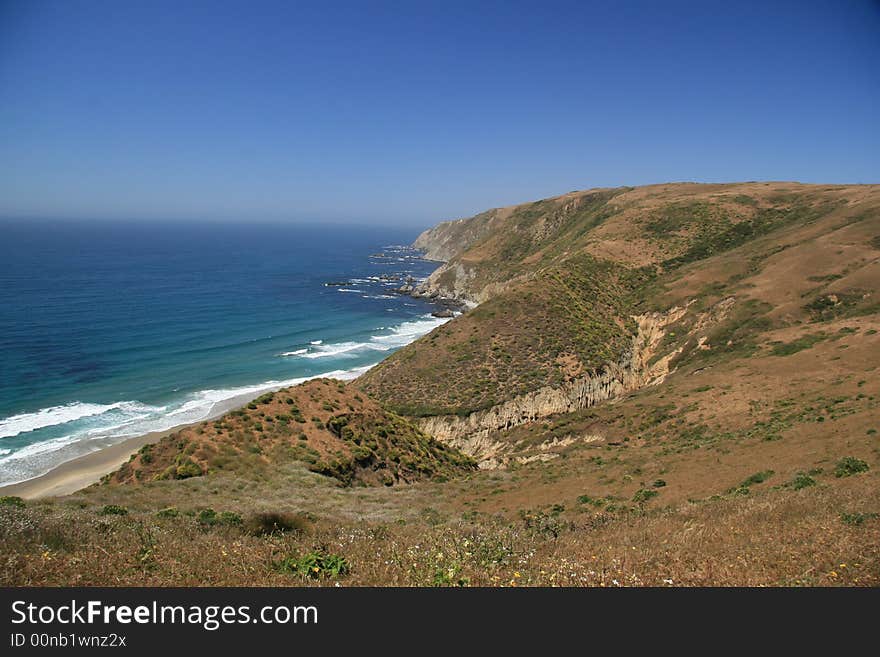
(110, 330)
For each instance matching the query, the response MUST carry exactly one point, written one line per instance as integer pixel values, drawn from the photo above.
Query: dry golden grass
(779, 537)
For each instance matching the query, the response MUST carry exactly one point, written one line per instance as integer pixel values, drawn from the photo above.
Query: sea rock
(443, 314)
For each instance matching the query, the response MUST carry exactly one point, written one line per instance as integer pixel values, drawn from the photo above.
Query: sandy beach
(82, 471)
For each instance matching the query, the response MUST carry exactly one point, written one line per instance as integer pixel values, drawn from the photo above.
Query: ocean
(115, 329)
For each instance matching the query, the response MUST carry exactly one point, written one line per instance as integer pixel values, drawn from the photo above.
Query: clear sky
(417, 112)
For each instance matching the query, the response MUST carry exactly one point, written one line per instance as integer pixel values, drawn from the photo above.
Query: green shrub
(799, 344)
(168, 512)
(210, 518)
(146, 454)
(207, 517)
(228, 518)
(315, 564)
(856, 519)
(802, 480)
(850, 465)
(757, 478)
(11, 500)
(644, 494)
(544, 524)
(659, 483)
(188, 468)
(113, 510)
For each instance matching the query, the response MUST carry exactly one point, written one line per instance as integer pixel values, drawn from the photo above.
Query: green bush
(315, 564)
(644, 494)
(856, 519)
(850, 465)
(168, 512)
(802, 480)
(11, 500)
(757, 478)
(586, 499)
(209, 517)
(799, 344)
(113, 510)
(228, 518)
(188, 468)
(146, 454)
(544, 524)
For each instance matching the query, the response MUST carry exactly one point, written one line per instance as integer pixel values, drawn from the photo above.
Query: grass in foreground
(825, 535)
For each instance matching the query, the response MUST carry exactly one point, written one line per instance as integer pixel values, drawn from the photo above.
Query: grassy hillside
(331, 429)
(723, 477)
(561, 278)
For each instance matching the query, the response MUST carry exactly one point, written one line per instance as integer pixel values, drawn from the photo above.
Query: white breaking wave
(348, 289)
(400, 335)
(316, 342)
(338, 349)
(410, 331)
(49, 417)
(297, 352)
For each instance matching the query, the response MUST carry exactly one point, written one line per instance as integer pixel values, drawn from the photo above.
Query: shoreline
(82, 471)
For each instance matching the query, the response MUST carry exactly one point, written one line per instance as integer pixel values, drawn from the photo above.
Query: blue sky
(413, 112)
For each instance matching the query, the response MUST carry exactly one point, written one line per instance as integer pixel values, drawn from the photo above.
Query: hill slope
(332, 430)
(563, 283)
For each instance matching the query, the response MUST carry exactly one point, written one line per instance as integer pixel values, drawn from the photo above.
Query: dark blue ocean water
(109, 330)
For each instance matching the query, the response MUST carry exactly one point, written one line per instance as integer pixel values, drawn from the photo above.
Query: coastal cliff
(446, 239)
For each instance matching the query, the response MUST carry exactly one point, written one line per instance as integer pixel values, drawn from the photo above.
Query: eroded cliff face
(451, 281)
(444, 243)
(638, 368)
(450, 238)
